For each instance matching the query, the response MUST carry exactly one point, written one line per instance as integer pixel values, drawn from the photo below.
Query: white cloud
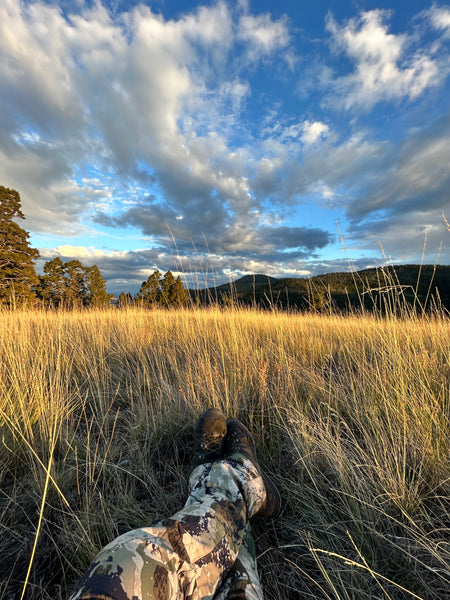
(144, 121)
(440, 18)
(114, 94)
(281, 138)
(36, 68)
(313, 131)
(140, 90)
(386, 68)
(405, 237)
(263, 35)
(325, 192)
(80, 252)
(414, 170)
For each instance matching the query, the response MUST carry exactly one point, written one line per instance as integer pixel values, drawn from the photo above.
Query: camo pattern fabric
(206, 547)
(242, 582)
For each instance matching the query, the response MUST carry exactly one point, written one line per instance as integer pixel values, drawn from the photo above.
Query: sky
(222, 138)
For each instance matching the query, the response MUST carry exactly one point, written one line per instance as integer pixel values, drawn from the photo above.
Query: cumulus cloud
(130, 119)
(411, 175)
(380, 185)
(400, 202)
(262, 34)
(313, 131)
(385, 67)
(120, 94)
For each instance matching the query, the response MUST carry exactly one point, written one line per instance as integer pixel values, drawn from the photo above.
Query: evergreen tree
(178, 293)
(72, 285)
(52, 285)
(167, 289)
(17, 274)
(76, 294)
(319, 300)
(149, 293)
(96, 285)
(124, 300)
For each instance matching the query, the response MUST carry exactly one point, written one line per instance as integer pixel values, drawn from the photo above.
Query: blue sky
(218, 139)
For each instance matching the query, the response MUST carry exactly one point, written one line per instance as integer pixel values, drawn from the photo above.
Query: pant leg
(242, 582)
(186, 556)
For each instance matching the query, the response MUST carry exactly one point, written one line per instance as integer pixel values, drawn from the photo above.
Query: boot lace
(210, 441)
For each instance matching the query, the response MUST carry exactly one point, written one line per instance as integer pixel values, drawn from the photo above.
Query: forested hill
(386, 288)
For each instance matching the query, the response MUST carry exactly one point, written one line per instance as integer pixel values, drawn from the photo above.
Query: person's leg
(242, 582)
(184, 556)
(188, 555)
(261, 498)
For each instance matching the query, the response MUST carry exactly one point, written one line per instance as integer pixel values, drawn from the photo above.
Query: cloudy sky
(221, 138)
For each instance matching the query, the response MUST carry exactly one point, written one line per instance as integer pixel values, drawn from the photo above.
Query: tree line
(162, 290)
(159, 290)
(64, 284)
(71, 285)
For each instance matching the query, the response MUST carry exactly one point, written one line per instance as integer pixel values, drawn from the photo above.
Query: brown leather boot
(239, 441)
(209, 433)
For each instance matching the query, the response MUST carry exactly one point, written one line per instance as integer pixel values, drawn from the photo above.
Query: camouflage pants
(204, 551)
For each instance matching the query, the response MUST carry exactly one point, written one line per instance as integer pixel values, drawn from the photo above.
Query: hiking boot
(209, 433)
(239, 441)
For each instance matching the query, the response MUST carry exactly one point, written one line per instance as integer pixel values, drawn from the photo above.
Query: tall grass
(350, 415)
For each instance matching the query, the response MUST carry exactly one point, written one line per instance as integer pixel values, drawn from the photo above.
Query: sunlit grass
(350, 414)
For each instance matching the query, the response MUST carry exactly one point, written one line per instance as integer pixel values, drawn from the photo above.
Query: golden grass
(350, 414)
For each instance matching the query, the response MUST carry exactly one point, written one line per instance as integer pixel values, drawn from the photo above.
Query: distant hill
(390, 289)
(248, 283)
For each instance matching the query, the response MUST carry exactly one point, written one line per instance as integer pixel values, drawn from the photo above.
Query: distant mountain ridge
(246, 283)
(383, 288)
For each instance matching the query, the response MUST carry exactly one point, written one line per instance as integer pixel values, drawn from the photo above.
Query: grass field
(350, 414)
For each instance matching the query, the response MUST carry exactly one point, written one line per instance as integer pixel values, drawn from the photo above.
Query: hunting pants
(205, 551)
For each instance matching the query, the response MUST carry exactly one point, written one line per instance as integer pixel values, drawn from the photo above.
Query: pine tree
(167, 285)
(17, 274)
(52, 285)
(76, 294)
(72, 285)
(96, 285)
(124, 300)
(178, 293)
(149, 293)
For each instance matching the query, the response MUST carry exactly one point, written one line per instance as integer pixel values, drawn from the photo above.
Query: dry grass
(351, 416)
